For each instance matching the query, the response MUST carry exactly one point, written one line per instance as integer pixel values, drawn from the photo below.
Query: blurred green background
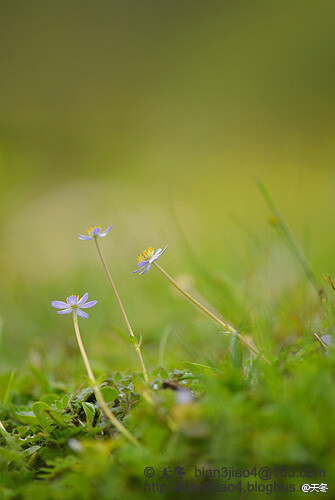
(158, 117)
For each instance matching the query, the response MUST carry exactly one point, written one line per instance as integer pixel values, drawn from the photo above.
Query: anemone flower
(74, 304)
(147, 257)
(94, 232)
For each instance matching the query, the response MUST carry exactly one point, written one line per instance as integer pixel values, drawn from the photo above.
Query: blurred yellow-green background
(158, 117)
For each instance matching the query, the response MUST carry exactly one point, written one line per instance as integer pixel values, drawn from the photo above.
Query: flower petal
(83, 299)
(89, 304)
(101, 235)
(58, 304)
(147, 267)
(72, 300)
(84, 237)
(157, 254)
(82, 314)
(142, 263)
(96, 231)
(160, 251)
(65, 311)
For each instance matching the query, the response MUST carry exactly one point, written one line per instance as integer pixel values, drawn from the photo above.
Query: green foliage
(241, 414)
(211, 405)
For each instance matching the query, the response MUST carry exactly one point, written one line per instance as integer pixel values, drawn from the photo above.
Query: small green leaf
(58, 417)
(65, 401)
(58, 404)
(30, 451)
(61, 404)
(89, 411)
(133, 340)
(198, 368)
(42, 416)
(109, 393)
(26, 417)
(117, 377)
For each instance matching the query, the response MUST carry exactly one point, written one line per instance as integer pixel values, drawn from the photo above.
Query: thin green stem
(228, 328)
(96, 388)
(321, 341)
(137, 346)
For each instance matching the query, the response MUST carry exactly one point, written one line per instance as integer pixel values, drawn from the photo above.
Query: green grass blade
(9, 388)
(290, 241)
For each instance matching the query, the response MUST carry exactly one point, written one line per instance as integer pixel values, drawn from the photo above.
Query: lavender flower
(147, 257)
(74, 304)
(94, 232)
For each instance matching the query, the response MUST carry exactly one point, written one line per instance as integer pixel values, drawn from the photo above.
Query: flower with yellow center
(74, 304)
(147, 257)
(94, 232)
(146, 254)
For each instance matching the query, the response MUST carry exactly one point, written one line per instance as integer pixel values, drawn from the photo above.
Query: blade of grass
(9, 439)
(9, 388)
(290, 241)
(162, 345)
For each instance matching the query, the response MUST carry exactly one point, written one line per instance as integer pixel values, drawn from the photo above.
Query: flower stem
(228, 328)
(137, 346)
(96, 388)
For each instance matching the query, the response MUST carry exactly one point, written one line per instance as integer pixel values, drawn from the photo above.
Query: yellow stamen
(89, 231)
(71, 296)
(146, 254)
